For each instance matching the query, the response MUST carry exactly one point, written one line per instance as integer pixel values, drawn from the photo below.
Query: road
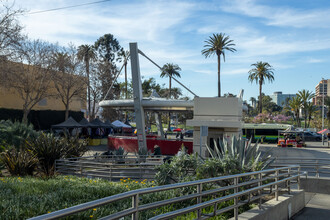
(313, 150)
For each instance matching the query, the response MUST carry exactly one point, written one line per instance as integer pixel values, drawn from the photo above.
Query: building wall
(11, 99)
(322, 87)
(280, 98)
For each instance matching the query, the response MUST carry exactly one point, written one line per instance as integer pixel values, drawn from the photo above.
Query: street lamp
(323, 111)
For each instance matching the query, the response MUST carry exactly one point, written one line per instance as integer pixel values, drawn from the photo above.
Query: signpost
(203, 133)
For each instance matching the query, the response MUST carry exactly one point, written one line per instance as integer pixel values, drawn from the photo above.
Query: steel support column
(137, 96)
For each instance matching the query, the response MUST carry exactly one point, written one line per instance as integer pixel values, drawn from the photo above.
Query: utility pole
(323, 111)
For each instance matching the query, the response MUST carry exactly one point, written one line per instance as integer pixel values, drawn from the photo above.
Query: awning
(70, 123)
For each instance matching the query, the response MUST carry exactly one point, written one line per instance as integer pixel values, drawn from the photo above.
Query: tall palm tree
(170, 70)
(262, 71)
(218, 44)
(86, 53)
(305, 96)
(295, 104)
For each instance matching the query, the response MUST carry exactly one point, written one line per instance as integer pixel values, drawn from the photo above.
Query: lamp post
(323, 111)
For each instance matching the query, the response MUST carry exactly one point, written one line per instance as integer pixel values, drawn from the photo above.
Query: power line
(72, 6)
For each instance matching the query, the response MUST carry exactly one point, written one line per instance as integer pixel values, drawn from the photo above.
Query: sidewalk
(317, 207)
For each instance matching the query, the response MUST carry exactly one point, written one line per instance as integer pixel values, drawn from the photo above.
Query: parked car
(189, 133)
(311, 136)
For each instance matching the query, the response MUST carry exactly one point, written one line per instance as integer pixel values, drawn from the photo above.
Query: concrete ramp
(317, 207)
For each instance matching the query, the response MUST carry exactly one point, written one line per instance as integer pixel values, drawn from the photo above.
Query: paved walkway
(317, 207)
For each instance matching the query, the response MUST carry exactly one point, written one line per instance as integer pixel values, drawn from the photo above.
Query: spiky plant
(248, 155)
(15, 133)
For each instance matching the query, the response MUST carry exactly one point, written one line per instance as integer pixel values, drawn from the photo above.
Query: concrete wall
(283, 209)
(222, 116)
(316, 185)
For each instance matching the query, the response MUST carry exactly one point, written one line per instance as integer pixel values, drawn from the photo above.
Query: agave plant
(248, 155)
(142, 154)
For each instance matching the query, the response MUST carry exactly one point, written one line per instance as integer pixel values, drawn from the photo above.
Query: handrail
(276, 174)
(311, 165)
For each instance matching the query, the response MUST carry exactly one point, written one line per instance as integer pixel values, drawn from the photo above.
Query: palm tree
(261, 72)
(87, 53)
(253, 101)
(170, 70)
(311, 109)
(218, 44)
(295, 104)
(124, 56)
(305, 96)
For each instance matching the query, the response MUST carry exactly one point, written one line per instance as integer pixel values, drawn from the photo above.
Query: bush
(19, 163)
(75, 147)
(47, 149)
(15, 134)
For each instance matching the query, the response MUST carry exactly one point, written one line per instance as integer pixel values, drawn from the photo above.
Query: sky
(292, 36)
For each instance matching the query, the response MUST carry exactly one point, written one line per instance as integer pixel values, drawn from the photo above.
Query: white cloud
(280, 16)
(313, 60)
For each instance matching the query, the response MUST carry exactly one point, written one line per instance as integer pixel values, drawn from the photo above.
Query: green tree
(295, 104)
(262, 71)
(218, 44)
(305, 97)
(170, 70)
(311, 109)
(86, 53)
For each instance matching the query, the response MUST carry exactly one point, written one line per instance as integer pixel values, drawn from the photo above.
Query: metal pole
(135, 205)
(137, 92)
(259, 191)
(199, 200)
(236, 199)
(323, 111)
(276, 186)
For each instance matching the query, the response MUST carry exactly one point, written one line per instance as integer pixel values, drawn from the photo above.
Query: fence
(241, 189)
(111, 167)
(318, 167)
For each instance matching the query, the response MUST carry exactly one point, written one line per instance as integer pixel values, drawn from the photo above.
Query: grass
(22, 198)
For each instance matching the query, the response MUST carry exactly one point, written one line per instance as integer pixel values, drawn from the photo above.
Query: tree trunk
(126, 92)
(25, 115)
(66, 112)
(88, 90)
(219, 86)
(260, 97)
(169, 113)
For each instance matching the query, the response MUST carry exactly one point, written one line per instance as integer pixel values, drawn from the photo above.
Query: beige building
(11, 99)
(322, 88)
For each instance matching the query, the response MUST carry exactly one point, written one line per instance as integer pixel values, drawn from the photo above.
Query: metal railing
(110, 167)
(318, 167)
(241, 189)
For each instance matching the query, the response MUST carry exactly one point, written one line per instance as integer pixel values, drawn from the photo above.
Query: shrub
(15, 134)
(248, 156)
(75, 147)
(47, 149)
(19, 163)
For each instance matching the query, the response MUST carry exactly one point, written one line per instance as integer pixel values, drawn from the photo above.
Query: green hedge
(41, 120)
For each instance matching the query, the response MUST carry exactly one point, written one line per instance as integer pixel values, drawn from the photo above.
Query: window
(43, 102)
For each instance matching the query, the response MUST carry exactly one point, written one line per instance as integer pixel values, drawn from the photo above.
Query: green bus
(264, 133)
